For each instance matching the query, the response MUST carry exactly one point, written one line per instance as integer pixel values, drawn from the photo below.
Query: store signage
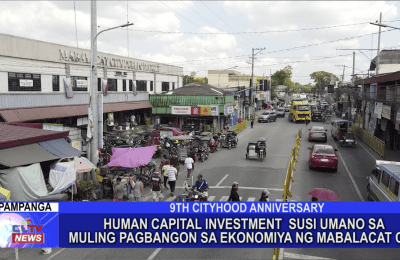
(26, 83)
(205, 111)
(181, 110)
(214, 110)
(195, 111)
(105, 61)
(68, 88)
(386, 111)
(378, 110)
(229, 110)
(53, 127)
(81, 83)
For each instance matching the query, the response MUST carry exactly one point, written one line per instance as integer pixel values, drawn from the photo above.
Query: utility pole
(252, 78)
(353, 82)
(93, 86)
(379, 47)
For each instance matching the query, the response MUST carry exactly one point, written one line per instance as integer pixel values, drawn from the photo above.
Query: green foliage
(201, 80)
(282, 77)
(322, 78)
(190, 79)
(84, 185)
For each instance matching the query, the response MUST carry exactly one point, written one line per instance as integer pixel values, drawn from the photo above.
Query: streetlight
(94, 145)
(223, 71)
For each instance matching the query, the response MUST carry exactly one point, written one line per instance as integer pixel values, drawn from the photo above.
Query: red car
(175, 130)
(323, 156)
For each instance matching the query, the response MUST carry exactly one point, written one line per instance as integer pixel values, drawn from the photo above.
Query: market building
(197, 104)
(42, 82)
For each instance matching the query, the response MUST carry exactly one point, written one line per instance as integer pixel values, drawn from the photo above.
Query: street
(226, 166)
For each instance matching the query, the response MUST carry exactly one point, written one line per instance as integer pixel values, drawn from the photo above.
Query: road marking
(53, 255)
(244, 188)
(348, 172)
(366, 150)
(171, 198)
(251, 199)
(308, 257)
(154, 254)
(240, 198)
(224, 198)
(211, 198)
(219, 183)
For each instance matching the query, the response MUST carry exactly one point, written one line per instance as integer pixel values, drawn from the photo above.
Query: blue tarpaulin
(60, 147)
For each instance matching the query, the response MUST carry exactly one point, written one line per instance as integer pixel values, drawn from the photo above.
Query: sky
(217, 35)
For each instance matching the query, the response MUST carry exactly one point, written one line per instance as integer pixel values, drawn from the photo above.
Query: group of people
(235, 195)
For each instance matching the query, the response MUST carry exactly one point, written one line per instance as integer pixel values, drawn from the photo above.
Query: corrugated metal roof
(23, 155)
(60, 148)
(41, 113)
(11, 135)
(199, 89)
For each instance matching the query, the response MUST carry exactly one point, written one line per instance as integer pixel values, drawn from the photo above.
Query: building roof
(386, 57)
(11, 135)
(200, 89)
(41, 113)
(381, 78)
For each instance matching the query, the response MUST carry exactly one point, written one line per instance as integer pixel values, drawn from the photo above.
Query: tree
(322, 78)
(282, 77)
(187, 79)
(201, 80)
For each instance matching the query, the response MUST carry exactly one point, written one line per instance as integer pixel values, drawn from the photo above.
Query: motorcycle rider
(264, 195)
(202, 186)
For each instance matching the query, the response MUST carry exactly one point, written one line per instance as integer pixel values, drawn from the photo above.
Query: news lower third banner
(200, 224)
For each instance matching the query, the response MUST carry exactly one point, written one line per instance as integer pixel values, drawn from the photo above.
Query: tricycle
(348, 139)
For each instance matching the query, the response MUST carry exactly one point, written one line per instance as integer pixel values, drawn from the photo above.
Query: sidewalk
(391, 155)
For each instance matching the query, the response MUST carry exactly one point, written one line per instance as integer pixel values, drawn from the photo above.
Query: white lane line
(171, 198)
(219, 183)
(251, 199)
(308, 257)
(244, 188)
(53, 255)
(240, 198)
(224, 198)
(348, 172)
(211, 198)
(151, 257)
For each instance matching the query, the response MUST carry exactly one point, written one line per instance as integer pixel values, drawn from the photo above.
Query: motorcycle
(202, 153)
(214, 145)
(146, 172)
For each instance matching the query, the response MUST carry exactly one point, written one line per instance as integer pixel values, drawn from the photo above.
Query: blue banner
(202, 225)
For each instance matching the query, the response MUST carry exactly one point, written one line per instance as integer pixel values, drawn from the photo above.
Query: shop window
(141, 85)
(124, 85)
(56, 82)
(77, 87)
(385, 179)
(24, 82)
(394, 186)
(99, 84)
(173, 85)
(165, 86)
(130, 85)
(151, 86)
(112, 84)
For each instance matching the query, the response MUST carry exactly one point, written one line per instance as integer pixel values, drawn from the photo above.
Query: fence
(289, 178)
(375, 143)
(240, 126)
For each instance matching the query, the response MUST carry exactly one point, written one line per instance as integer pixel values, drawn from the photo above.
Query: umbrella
(87, 161)
(81, 166)
(324, 194)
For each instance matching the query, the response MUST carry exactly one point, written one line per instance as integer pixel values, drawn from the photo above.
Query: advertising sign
(104, 86)
(68, 88)
(214, 110)
(26, 83)
(205, 111)
(378, 110)
(53, 127)
(229, 110)
(386, 111)
(180, 110)
(195, 111)
(81, 83)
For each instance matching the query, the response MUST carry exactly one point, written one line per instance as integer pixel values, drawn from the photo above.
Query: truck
(299, 111)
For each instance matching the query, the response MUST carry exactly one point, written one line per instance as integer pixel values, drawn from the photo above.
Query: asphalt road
(226, 166)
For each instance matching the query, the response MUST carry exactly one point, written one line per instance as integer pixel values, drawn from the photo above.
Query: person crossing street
(234, 195)
(156, 186)
(171, 173)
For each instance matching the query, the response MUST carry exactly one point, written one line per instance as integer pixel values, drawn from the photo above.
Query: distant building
(389, 61)
(228, 79)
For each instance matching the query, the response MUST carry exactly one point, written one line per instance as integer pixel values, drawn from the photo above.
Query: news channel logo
(20, 230)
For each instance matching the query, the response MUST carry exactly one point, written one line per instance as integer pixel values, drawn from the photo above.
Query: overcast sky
(207, 35)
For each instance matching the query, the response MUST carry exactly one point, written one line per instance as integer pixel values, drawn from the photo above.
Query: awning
(60, 148)
(41, 113)
(25, 154)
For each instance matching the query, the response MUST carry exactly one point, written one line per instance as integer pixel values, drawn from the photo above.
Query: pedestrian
(162, 163)
(234, 195)
(138, 191)
(133, 119)
(252, 123)
(307, 121)
(175, 162)
(156, 186)
(314, 199)
(264, 195)
(240, 120)
(99, 180)
(119, 191)
(164, 173)
(172, 173)
(189, 162)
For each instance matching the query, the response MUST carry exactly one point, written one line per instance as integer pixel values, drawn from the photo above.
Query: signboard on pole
(386, 111)
(331, 89)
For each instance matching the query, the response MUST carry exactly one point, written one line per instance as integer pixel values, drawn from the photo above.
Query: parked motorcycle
(202, 153)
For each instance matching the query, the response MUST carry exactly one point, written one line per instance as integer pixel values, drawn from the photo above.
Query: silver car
(267, 117)
(317, 133)
(280, 112)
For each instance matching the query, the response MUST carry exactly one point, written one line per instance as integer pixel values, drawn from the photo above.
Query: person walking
(307, 121)
(156, 186)
(162, 163)
(234, 195)
(264, 195)
(189, 162)
(119, 191)
(172, 173)
(164, 173)
(175, 162)
(314, 199)
(138, 191)
(252, 123)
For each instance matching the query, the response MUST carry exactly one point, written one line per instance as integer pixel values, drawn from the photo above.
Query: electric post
(252, 100)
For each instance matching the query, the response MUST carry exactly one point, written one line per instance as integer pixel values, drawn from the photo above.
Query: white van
(383, 184)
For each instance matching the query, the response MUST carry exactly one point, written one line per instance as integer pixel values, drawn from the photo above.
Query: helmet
(265, 192)
(176, 142)
(156, 172)
(235, 183)
(199, 176)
